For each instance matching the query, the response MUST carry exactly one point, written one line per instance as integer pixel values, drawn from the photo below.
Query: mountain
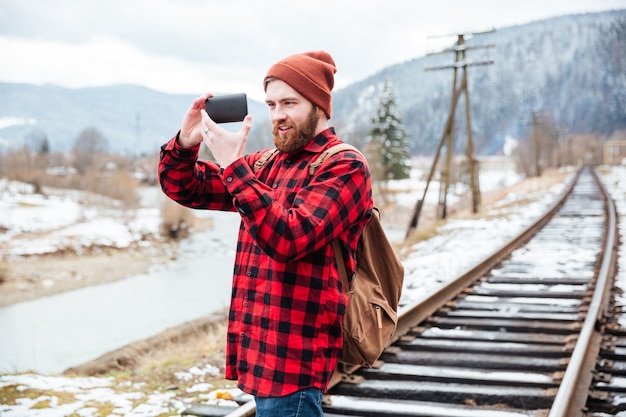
(571, 69)
(133, 119)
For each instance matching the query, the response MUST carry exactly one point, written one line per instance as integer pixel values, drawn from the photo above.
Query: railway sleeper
(614, 329)
(489, 347)
(618, 342)
(451, 393)
(483, 335)
(581, 295)
(614, 384)
(601, 403)
(341, 405)
(613, 367)
(560, 288)
(479, 360)
(512, 325)
(488, 304)
(524, 302)
(613, 352)
(535, 280)
(449, 374)
(506, 314)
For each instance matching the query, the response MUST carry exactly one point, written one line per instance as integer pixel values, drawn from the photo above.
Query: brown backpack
(372, 313)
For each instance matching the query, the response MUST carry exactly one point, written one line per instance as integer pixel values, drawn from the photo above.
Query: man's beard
(299, 136)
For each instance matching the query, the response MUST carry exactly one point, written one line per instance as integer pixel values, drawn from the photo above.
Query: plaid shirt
(287, 305)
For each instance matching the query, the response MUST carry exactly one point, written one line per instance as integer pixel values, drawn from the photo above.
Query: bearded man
(284, 326)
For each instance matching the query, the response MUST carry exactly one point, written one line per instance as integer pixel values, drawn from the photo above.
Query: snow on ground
(460, 243)
(429, 264)
(615, 181)
(67, 220)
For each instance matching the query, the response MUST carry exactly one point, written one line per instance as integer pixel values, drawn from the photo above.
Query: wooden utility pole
(537, 144)
(459, 62)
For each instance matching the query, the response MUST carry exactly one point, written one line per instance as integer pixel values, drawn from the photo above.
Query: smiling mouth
(283, 129)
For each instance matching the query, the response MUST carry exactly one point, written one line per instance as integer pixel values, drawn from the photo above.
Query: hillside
(134, 119)
(571, 69)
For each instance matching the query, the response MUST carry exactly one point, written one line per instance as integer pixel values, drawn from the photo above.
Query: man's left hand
(226, 146)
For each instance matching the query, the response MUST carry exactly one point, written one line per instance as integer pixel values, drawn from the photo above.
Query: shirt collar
(320, 142)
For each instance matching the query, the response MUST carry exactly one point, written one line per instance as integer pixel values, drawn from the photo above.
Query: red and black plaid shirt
(287, 305)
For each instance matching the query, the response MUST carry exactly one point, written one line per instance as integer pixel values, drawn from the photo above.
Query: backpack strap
(264, 159)
(343, 272)
(313, 166)
(339, 260)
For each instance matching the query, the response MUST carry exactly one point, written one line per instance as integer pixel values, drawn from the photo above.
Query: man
(284, 329)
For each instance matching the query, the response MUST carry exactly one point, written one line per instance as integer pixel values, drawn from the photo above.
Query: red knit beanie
(311, 74)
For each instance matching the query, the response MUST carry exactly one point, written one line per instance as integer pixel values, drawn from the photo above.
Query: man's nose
(278, 114)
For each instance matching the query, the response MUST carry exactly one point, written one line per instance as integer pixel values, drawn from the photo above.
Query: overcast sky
(196, 46)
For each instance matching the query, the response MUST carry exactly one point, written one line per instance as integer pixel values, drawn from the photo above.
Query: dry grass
(176, 221)
(155, 365)
(180, 346)
(4, 271)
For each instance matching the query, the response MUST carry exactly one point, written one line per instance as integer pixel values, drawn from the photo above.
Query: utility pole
(537, 143)
(447, 138)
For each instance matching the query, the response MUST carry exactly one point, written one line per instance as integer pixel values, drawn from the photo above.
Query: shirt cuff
(249, 193)
(182, 153)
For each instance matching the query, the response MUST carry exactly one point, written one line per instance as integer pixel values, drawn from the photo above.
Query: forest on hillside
(568, 71)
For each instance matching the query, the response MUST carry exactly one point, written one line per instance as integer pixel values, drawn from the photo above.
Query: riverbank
(25, 278)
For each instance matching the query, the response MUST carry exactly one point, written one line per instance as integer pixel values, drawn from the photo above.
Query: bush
(4, 272)
(176, 220)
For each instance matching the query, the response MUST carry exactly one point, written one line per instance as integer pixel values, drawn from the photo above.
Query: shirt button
(229, 179)
(249, 273)
(246, 304)
(275, 186)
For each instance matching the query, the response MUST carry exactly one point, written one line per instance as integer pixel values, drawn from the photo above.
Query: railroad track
(530, 331)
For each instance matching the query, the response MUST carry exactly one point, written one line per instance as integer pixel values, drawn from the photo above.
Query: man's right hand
(191, 129)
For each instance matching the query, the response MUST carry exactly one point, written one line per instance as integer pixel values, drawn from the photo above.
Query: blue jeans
(303, 403)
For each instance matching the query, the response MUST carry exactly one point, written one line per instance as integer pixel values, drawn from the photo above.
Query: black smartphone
(227, 108)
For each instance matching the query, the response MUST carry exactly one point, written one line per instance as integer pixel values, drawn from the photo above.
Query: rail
(572, 394)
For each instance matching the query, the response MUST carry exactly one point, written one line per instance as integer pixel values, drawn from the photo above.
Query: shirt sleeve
(190, 182)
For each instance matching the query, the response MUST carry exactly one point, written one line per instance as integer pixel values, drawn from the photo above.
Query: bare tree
(88, 147)
(538, 151)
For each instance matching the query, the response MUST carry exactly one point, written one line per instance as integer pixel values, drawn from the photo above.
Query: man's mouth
(284, 129)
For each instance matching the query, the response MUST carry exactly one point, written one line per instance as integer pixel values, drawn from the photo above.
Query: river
(51, 334)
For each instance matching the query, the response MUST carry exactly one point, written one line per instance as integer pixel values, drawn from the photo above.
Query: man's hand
(191, 129)
(225, 146)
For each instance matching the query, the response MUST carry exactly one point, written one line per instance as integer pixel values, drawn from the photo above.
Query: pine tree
(388, 146)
